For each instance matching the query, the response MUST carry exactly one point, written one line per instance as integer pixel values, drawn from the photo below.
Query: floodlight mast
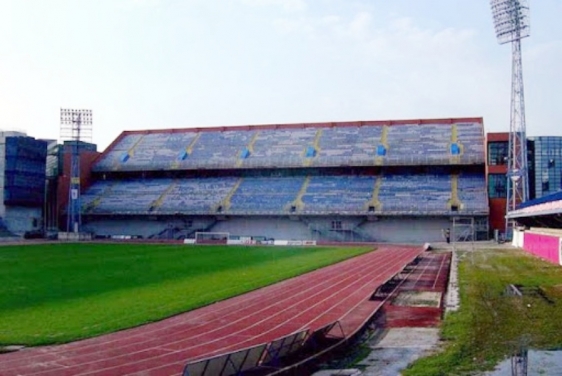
(511, 21)
(76, 127)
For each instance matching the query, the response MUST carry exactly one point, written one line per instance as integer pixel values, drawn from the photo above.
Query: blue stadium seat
(331, 194)
(263, 195)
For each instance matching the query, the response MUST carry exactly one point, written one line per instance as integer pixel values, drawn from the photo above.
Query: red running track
(311, 301)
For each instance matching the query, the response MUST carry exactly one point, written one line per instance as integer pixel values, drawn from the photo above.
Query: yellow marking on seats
(454, 200)
(379, 159)
(298, 203)
(250, 148)
(130, 152)
(375, 198)
(455, 159)
(316, 145)
(226, 202)
(188, 150)
(96, 201)
(160, 200)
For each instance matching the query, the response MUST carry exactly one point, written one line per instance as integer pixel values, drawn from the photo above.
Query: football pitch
(56, 293)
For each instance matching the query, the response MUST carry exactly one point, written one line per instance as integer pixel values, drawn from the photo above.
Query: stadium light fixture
(511, 22)
(76, 126)
(511, 19)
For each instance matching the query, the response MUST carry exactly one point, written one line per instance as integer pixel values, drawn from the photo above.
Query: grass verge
(57, 293)
(490, 324)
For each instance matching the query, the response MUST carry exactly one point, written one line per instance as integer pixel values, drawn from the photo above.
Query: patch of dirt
(418, 299)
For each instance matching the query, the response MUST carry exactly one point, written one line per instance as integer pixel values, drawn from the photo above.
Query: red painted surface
(497, 136)
(412, 317)
(311, 301)
(497, 213)
(497, 205)
(431, 274)
(544, 246)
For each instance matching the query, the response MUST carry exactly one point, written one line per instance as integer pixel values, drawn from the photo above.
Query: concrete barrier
(548, 247)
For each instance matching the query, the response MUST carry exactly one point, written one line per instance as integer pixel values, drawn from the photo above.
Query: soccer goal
(211, 237)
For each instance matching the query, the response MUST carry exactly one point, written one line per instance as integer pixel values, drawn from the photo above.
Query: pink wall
(545, 246)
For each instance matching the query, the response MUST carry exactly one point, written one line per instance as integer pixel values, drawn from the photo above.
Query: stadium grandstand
(386, 181)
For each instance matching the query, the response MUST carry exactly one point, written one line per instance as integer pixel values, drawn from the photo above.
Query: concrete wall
(21, 219)
(270, 227)
(518, 238)
(392, 230)
(548, 247)
(417, 230)
(408, 230)
(145, 227)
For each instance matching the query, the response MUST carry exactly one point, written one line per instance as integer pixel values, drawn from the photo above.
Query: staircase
(327, 233)
(158, 202)
(188, 149)
(181, 231)
(359, 234)
(96, 201)
(454, 200)
(375, 198)
(455, 159)
(201, 229)
(130, 152)
(298, 204)
(384, 142)
(250, 148)
(316, 145)
(225, 204)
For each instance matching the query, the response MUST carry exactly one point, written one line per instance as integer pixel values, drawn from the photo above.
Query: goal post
(211, 237)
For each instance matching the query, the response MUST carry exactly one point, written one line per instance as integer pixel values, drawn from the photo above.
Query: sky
(150, 64)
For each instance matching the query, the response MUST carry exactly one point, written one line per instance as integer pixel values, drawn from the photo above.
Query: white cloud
(395, 68)
(360, 24)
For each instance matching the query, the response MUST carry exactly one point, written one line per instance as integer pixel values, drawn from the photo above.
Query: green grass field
(489, 324)
(58, 293)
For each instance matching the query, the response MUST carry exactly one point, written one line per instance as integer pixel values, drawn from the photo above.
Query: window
(497, 186)
(497, 153)
(336, 225)
(545, 181)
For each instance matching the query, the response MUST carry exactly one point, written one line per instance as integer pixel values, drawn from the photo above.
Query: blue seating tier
(349, 145)
(418, 144)
(412, 194)
(472, 192)
(262, 195)
(417, 194)
(338, 194)
(195, 195)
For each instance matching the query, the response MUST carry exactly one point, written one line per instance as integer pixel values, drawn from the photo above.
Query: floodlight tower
(76, 127)
(511, 21)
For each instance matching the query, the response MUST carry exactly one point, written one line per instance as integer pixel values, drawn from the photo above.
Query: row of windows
(497, 153)
(497, 185)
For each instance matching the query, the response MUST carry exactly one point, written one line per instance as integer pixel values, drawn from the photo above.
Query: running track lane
(337, 292)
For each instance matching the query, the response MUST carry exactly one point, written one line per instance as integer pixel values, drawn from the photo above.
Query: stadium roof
(359, 123)
(544, 211)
